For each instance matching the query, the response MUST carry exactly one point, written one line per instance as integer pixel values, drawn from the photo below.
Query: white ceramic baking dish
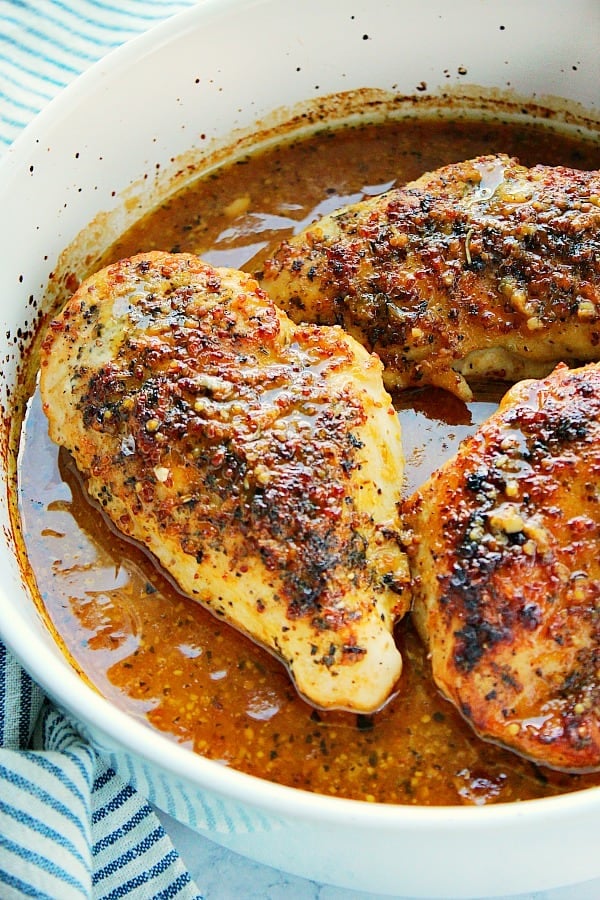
(140, 123)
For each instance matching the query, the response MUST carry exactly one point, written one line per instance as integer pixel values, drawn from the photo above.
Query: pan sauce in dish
(163, 657)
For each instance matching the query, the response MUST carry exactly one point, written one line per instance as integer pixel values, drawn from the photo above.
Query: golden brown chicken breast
(482, 269)
(259, 461)
(506, 562)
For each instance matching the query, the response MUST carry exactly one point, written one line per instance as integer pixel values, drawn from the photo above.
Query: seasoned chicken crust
(506, 570)
(259, 461)
(483, 269)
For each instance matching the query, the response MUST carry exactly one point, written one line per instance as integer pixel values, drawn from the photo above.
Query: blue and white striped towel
(45, 44)
(69, 826)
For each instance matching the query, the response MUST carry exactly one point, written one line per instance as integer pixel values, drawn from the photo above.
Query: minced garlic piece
(262, 474)
(507, 520)
(534, 323)
(586, 310)
(237, 207)
(537, 533)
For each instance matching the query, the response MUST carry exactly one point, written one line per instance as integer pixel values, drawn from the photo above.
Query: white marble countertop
(223, 875)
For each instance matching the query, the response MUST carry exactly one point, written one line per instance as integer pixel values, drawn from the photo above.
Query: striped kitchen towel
(45, 44)
(69, 826)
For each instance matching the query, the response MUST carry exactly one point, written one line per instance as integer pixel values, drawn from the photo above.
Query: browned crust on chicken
(481, 269)
(507, 571)
(259, 461)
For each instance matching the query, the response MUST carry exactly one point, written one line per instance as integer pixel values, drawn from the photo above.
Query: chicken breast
(259, 461)
(481, 270)
(505, 555)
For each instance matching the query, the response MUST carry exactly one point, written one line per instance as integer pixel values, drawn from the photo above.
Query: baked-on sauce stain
(163, 657)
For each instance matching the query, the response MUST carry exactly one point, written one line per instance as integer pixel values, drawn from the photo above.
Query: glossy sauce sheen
(163, 657)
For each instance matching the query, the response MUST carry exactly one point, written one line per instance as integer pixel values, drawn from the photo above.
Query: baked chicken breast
(505, 554)
(259, 461)
(480, 270)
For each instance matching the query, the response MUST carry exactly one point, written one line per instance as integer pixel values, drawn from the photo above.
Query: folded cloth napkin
(45, 44)
(69, 826)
